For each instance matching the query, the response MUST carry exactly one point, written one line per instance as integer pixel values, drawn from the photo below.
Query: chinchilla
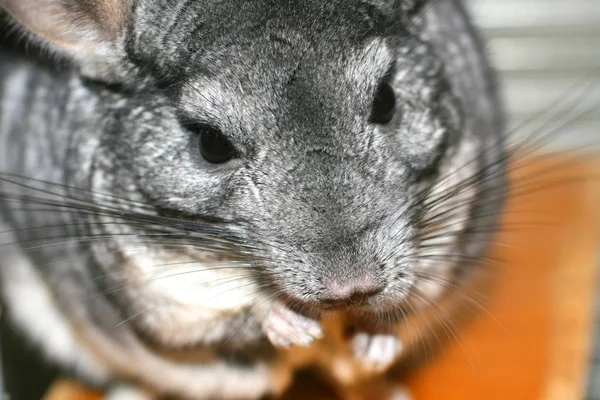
(189, 186)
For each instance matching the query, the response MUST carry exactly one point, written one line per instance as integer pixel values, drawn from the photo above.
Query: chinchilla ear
(85, 31)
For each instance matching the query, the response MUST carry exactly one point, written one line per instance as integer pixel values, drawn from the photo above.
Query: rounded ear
(86, 31)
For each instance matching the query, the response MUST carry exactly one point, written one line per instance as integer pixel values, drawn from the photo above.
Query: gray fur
(318, 195)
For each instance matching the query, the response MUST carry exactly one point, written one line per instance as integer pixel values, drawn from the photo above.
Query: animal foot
(286, 328)
(376, 351)
(126, 392)
(399, 392)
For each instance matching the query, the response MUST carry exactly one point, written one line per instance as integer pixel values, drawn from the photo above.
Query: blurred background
(542, 48)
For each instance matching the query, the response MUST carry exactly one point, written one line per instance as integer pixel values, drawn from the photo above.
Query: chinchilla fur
(189, 186)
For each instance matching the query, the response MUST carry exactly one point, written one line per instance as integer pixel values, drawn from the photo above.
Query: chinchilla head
(329, 135)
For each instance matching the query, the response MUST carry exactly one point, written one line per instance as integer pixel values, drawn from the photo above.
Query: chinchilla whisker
(419, 16)
(555, 184)
(405, 315)
(455, 213)
(238, 264)
(178, 224)
(480, 173)
(542, 170)
(390, 318)
(223, 265)
(418, 254)
(62, 205)
(530, 164)
(490, 243)
(456, 218)
(522, 186)
(137, 314)
(475, 232)
(73, 239)
(445, 322)
(535, 143)
(211, 236)
(211, 284)
(398, 218)
(130, 318)
(454, 190)
(274, 294)
(168, 235)
(552, 164)
(572, 97)
(65, 207)
(66, 225)
(567, 158)
(58, 200)
(68, 189)
(455, 208)
(428, 337)
(165, 238)
(460, 257)
(577, 91)
(252, 283)
(503, 227)
(118, 288)
(445, 283)
(426, 196)
(425, 339)
(90, 255)
(248, 314)
(536, 140)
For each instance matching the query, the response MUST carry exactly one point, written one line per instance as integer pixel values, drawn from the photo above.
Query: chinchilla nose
(351, 293)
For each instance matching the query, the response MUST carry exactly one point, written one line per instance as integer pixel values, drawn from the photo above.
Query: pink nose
(351, 293)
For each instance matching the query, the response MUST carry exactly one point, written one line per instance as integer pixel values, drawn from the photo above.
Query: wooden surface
(535, 337)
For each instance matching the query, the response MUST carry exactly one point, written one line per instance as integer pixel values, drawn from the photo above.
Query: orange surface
(535, 342)
(534, 339)
(69, 390)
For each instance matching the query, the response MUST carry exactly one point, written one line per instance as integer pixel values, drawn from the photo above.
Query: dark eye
(213, 145)
(384, 105)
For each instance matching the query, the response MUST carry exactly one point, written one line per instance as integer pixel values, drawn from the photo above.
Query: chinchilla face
(328, 136)
(314, 129)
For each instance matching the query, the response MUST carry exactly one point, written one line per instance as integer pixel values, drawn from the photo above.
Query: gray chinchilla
(189, 187)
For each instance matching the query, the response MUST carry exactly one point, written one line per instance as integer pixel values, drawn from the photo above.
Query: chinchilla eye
(384, 105)
(213, 145)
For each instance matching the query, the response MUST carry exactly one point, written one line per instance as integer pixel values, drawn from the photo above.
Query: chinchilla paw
(126, 392)
(376, 351)
(286, 328)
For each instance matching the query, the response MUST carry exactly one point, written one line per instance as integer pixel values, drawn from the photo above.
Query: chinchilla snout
(334, 229)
